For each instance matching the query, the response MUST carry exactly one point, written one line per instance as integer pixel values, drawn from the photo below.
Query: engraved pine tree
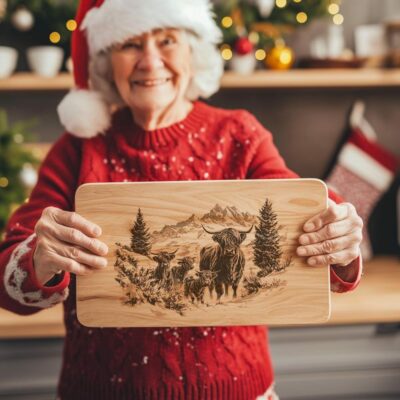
(267, 249)
(140, 239)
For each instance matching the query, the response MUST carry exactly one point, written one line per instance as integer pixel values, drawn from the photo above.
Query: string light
(71, 25)
(18, 138)
(260, 54)
(254, 37)
(226, 22)
(281, 3)
(3, 182)
(226, 54)
(285, 56)
(338, 19)
(333, 8)
(54, 37)
(301, 17)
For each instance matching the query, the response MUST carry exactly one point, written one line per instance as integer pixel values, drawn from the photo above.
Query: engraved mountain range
(228, 216)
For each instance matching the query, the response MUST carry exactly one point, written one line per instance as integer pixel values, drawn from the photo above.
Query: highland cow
(194, 286)
(225, 259)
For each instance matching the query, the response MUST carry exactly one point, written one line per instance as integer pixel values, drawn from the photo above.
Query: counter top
(377, 299)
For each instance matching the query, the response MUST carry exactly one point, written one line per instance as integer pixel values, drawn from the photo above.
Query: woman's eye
(167, 41)
(131, 45)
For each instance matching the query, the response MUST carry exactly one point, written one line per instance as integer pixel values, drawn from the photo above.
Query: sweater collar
(136, 136)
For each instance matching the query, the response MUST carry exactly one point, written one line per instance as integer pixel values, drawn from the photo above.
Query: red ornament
(243, 46)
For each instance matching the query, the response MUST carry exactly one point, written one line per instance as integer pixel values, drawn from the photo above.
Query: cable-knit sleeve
(267, 163)
(20, 291)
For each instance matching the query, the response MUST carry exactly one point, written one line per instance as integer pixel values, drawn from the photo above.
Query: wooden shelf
(376, 300)
(29, 81)
(305, 78)
(314, 78)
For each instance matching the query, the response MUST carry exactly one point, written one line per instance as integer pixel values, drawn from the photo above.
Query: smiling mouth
(151, 82)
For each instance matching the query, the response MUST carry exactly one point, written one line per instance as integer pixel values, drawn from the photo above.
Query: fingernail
(104, 248)
(303, 240)
(301, 251)
(309, 227)
(311, 261)
(104, 262)
(97, 230)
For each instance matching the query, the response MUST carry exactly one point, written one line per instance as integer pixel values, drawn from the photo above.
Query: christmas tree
(140, 239)
(25, 23)
(17, 173)
(266, 24)
(270, 18)
(267, 250)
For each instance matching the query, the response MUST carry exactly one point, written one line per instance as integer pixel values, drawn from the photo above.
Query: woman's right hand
(66, 242)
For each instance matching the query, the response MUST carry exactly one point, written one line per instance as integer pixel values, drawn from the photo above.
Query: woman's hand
(333, 237)
(66, 242)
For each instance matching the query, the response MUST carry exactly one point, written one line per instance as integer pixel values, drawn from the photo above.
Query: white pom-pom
(84, 113)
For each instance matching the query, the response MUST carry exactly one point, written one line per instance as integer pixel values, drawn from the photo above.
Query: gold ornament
(3, 181)
(280, 57)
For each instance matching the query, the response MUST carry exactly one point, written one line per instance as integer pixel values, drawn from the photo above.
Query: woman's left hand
(333, 236)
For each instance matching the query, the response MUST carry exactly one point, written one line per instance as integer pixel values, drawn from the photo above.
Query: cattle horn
(211, 233)
(248, 231)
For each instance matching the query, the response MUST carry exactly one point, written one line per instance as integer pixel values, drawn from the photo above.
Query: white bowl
(45, 60)
(243, 64)
(8, 57)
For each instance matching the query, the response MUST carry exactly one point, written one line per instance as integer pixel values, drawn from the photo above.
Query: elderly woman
(140, 119)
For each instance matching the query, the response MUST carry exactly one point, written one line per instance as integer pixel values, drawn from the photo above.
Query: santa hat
(102, 23)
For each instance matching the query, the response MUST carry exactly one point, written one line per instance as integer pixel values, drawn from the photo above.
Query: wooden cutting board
(203, 253)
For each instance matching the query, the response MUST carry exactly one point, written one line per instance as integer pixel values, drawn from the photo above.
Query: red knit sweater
(185, 363)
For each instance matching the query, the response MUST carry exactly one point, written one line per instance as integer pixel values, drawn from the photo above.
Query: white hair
(207, 71)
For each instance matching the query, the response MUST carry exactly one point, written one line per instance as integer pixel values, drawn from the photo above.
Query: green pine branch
(49, 15)
(13, 157)
(285, 16)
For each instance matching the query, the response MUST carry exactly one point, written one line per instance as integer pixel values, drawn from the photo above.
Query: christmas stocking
(363, 171)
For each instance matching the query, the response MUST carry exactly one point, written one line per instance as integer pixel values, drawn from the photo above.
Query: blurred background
(323, 76)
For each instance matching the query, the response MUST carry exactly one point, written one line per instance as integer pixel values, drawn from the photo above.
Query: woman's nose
(150, 59)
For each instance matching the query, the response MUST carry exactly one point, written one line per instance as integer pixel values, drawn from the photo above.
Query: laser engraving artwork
(189, 265)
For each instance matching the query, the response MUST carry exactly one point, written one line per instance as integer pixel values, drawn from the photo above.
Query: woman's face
(152, 71)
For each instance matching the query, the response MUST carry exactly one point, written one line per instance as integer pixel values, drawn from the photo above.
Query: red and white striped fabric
(362, 174)
(269, 394)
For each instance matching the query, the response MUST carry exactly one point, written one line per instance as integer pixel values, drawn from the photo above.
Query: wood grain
(297, 295)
